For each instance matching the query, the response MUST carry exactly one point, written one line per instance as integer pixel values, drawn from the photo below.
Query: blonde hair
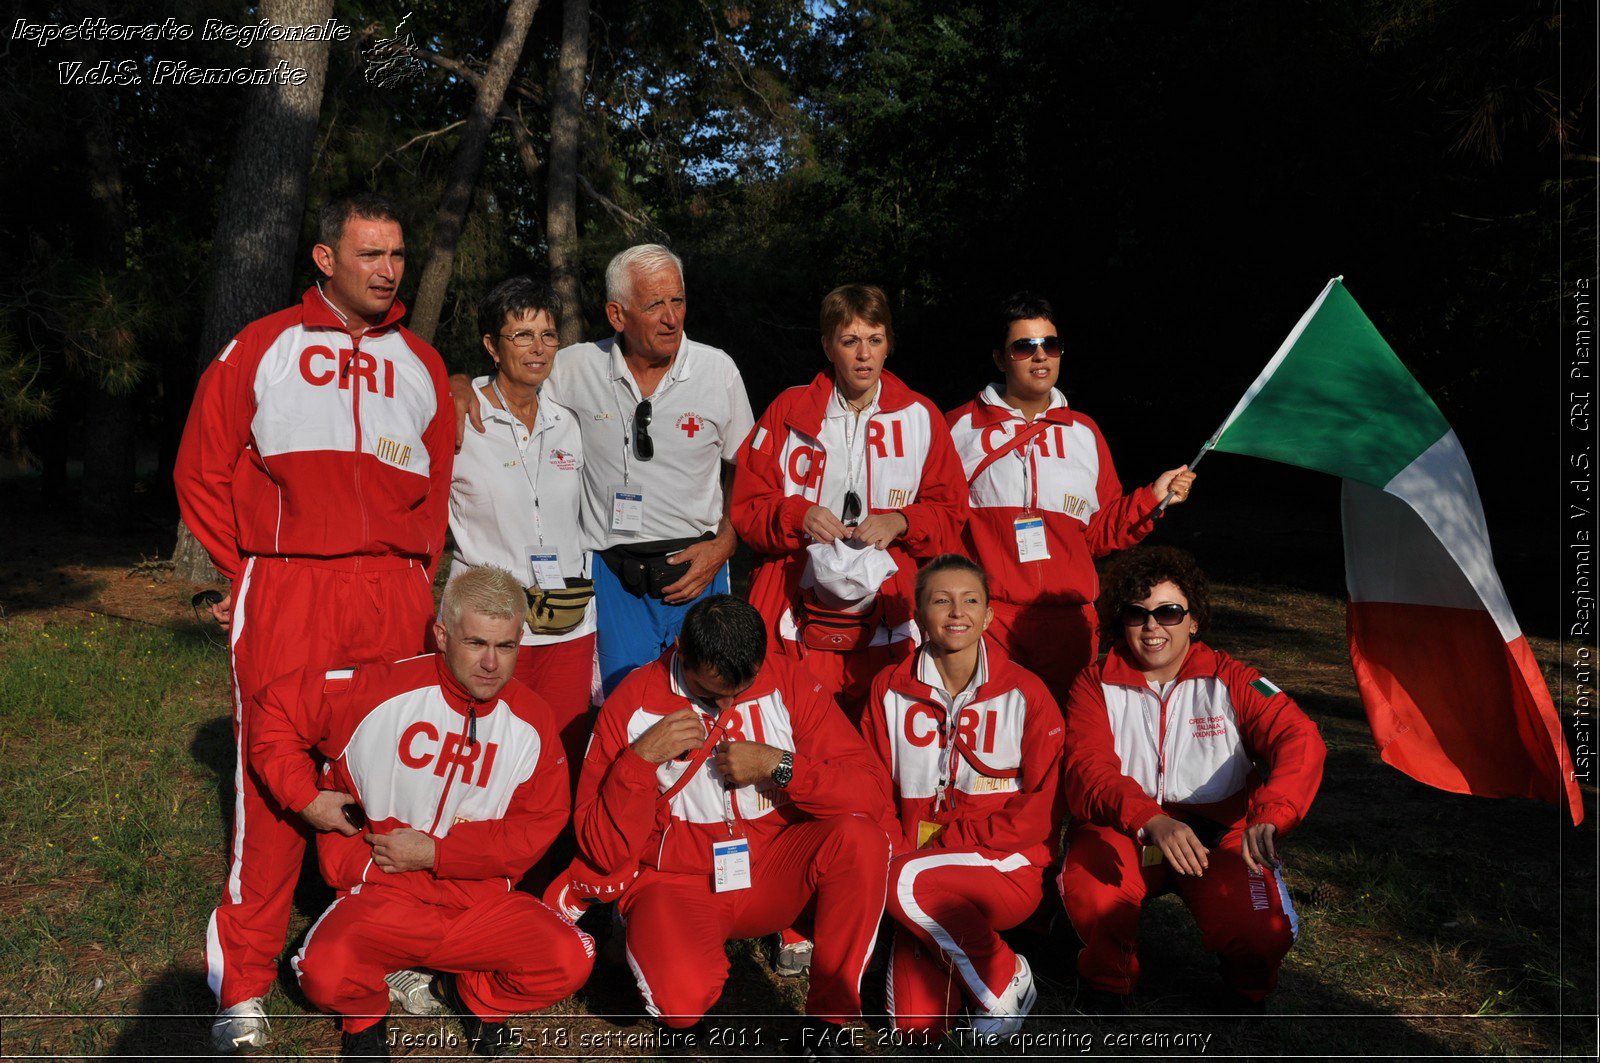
(484, 589)
(642, 259)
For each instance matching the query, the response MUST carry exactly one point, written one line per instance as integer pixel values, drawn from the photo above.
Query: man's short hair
(726, 635)
(850, 301)
(1131, 576)
(950, 563)
(642, 259)
(333, 217)
(1021, 306)
(483, 589)
(515, 297)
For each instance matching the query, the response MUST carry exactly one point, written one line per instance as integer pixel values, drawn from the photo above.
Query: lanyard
(852, 432)
(533, 480)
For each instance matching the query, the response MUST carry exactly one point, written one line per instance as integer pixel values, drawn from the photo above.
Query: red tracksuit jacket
(991, 775)
(399, 738)
(305, 440)
(619, 820)
(1133, 754)
(1068, 480)
(911, 467)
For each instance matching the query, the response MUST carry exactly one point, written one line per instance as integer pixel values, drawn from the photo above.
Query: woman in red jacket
(1045, 498)
(973, 746)
(1160, 779)
(857, 459)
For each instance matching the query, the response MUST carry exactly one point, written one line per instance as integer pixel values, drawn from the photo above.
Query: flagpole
(1260, 381)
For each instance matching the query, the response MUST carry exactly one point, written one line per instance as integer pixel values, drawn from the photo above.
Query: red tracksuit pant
(291, 614)
(562, 673)
(1244, 916)
(824, 876)
(950, 905)
(1054, 642)
(511, 953)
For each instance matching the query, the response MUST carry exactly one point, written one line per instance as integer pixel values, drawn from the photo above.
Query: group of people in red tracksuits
(908, 723)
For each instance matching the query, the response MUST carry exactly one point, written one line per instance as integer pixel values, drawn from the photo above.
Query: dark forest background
(1180, 180)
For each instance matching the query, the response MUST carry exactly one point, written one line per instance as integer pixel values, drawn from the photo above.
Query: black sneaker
(371, 1043)
(825, 1040)
(492, 1039)
(1101, 1002)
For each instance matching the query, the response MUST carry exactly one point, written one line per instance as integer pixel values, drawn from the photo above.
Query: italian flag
(1451, 689)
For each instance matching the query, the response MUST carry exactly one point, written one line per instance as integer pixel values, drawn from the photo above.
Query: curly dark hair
(1128, 579)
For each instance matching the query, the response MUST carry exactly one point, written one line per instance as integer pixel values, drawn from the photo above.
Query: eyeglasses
(644, 447)
(525, 338)
(852, 507)
(1024, 348)
(1169, 615)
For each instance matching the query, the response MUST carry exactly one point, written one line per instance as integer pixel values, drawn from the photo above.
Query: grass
(1432, 924)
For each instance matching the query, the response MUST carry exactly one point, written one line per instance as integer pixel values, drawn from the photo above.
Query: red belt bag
(834, 630)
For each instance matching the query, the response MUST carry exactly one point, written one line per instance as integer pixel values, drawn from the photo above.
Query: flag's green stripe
(1341, 402)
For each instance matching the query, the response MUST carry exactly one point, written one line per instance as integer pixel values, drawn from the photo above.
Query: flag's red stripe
(1453, 705)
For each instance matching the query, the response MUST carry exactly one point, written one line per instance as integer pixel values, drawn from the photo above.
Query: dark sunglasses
(644, 447)
(1024, 348)
(1169, 615)
(852, 507)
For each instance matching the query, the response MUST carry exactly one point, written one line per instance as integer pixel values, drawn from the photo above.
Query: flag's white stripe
(1423, 539)
(1277, 360)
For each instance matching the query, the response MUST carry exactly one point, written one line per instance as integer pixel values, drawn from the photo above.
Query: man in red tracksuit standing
(460, 777)
(315, 470)
(748, 804)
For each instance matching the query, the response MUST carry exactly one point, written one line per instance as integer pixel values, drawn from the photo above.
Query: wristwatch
(784, 771)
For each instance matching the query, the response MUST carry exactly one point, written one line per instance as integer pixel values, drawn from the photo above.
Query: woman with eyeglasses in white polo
(1045, 499)
(514, 502)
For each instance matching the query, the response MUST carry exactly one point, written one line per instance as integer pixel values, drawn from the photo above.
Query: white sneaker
(1005, 1018)
(411, 991)
(242, 1026)
(793, 960)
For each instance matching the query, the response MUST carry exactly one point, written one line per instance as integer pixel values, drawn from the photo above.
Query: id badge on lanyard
(1028, 528)
(627, 508)
(730, 863)
(546, 564)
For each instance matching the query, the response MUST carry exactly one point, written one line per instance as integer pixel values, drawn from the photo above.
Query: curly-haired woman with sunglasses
(1162, 739)
(1045, 499)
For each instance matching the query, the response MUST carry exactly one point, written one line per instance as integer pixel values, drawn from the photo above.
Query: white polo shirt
(492, 512)
(844, 439)
(700, 416)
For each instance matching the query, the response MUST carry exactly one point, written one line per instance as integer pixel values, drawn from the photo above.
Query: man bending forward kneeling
(457, 774)
(749, 805)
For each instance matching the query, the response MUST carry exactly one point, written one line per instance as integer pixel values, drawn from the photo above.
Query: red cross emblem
(690, 425)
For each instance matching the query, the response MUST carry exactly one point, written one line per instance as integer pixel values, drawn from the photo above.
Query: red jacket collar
(319, 313)
(1002, 675)
(986, 413)
(456, 695)
(1120, 669)
(662, 695)
(807, 414)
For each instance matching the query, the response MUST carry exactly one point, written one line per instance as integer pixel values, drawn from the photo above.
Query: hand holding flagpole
(1165, 502)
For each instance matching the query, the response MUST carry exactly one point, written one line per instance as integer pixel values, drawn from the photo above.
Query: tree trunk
(263, 201)
(561, 190)
(466, 166)
(101, 238)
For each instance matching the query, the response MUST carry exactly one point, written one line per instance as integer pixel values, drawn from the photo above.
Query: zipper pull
(472, 725)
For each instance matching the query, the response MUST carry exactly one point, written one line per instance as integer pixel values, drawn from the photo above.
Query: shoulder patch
(337, 679)
(1266, 687)
(760, 440)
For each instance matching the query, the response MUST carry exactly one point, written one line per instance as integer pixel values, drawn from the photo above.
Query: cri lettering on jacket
(420, 746)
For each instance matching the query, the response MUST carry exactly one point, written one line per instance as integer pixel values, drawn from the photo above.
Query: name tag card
(546, 565)
(730, 861)
(627, 509)
(1031, 546)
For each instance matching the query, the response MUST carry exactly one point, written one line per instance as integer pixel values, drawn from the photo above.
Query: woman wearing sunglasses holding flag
(1045, 498)
(1163, 738)
(843, 486)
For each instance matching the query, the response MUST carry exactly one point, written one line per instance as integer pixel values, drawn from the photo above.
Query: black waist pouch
(642, 568)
